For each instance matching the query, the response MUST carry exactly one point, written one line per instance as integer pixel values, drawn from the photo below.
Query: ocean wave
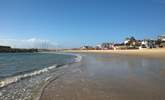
(78, 58)
(14, 79)
(9, 80)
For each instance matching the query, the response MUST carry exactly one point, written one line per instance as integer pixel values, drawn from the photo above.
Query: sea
(23, 75)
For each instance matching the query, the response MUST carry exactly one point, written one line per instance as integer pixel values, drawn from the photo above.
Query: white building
(126, 42)
(147, 44)
(161, 37)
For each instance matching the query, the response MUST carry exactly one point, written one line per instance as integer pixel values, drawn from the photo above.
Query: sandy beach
(157, 52)
(111, 75)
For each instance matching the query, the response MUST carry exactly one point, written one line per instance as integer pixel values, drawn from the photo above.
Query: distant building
(131, 42)
(119, 46)
(98, 47)
(87, 48)
(147, 43)
(127, 41)
(161, 37)
(107, 46)
(161, 41)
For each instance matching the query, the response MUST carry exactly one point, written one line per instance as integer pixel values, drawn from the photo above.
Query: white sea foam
(78, 58)
(13, 79)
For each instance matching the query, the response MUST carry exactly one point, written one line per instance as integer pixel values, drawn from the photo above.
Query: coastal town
(129, 43)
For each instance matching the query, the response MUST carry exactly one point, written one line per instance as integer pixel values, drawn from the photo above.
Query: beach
(155, 52)
(111, 75)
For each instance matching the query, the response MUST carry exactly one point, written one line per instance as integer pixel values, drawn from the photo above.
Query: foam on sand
(13, 79)
(78, 58)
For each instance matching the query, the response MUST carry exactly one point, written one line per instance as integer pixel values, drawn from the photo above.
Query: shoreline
(156, 53)
(49, 81)
(40, 78)
(118, 77)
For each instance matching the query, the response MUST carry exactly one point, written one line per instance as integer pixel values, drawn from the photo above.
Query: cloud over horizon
(28, 43)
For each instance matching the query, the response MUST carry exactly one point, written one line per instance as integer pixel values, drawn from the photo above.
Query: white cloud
(28, 43)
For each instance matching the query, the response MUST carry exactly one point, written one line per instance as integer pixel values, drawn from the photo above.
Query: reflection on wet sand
(110, 77)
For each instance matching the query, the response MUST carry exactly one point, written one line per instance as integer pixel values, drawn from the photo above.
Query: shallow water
(111, 77)
(23, 74)
(129, 77)
(19, 63)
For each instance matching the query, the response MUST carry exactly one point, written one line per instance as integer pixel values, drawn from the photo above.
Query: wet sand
(105, 76)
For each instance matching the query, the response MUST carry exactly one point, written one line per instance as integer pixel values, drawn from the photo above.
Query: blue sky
(73, 23)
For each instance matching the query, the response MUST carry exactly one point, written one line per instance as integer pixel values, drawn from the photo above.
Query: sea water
(22, 73)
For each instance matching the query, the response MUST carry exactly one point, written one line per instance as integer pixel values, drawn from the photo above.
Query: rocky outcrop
(7, 49)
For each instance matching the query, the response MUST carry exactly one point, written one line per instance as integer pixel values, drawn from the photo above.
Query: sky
(74, 23)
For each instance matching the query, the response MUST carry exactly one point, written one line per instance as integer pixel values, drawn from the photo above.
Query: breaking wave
(13, 79)
(78, 58)
(9, 80)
